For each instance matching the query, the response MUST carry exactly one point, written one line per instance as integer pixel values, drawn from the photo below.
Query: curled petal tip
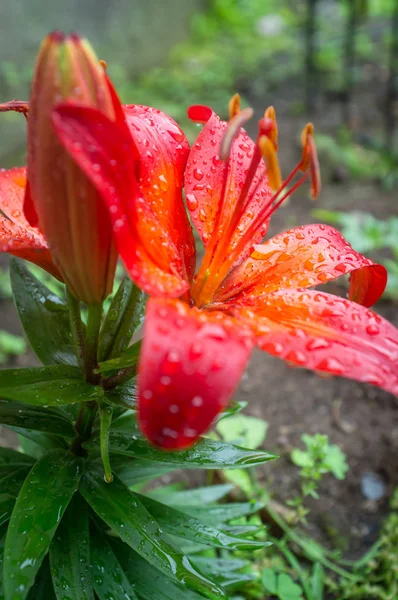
(199, 113)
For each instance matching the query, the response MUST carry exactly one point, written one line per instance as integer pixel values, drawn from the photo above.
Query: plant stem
(77, 329)
(106, 413)
(83, 426)
(120, 377)
(92, 334)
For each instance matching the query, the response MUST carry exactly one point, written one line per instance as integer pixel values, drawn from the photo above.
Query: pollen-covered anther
(233, 130)
(309, 159)
(103, 64)
(270, 115)
(269, 154)
(234, 106)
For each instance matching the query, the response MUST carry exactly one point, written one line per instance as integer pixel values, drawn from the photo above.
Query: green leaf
(233, 409)
(133, 471)
(125, 515)
(33, 417)
(268, 577)
(124, 395)
(318, 581)
(225, 572)
(177, 523)
(3, 531)
(13, 459)
(150, 583)
(287, 589)
(206, 454)
(47, 386)
(37, 443)
(244, 430)
(70, 554)
(44, 317)
(10, 484)
(10, 345)
(110, 581)
(128, 359)
(220, 513)
(200, 496)
(38, 510)
(124, 316)
(43, 587)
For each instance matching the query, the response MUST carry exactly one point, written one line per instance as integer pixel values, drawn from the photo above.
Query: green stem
(106, 413)
(92, 334)
(77, 329)
(83, 426)
(120, 378)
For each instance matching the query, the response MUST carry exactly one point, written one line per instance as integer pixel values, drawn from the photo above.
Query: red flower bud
(61, 200)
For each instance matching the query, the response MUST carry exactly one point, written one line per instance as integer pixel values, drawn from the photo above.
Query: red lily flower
(80, 232)
(16, 235)
(195, 348)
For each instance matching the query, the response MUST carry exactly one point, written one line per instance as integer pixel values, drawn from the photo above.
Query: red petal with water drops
(206, 187)
(301, 258)
(17, 237)
(191, 362)
(106, 153)
(163, 152)
(325, 333)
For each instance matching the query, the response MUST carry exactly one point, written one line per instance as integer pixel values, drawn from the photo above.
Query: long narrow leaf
(35, 418)
(44, 317)
(206, 454)
(110, 581)
(177, 523)
(125, 514)
(47, 386)
(70, 554)
(38, 510)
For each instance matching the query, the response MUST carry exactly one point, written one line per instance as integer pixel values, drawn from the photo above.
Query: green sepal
(70, 554)
(123, 512)
(123, 318)
(39, 508)
(36, 418)
(110, 581)
(44, 317)
(47, 386)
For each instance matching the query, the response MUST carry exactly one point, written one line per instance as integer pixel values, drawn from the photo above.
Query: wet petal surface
(191, 362)
(327, 334)
(304, 257)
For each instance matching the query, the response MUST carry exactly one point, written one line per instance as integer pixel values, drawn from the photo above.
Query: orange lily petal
(325, 333)
(17, 237)
(106, 152)
(191, 362)
(204, 181)
(163, 151)
(301, 258)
